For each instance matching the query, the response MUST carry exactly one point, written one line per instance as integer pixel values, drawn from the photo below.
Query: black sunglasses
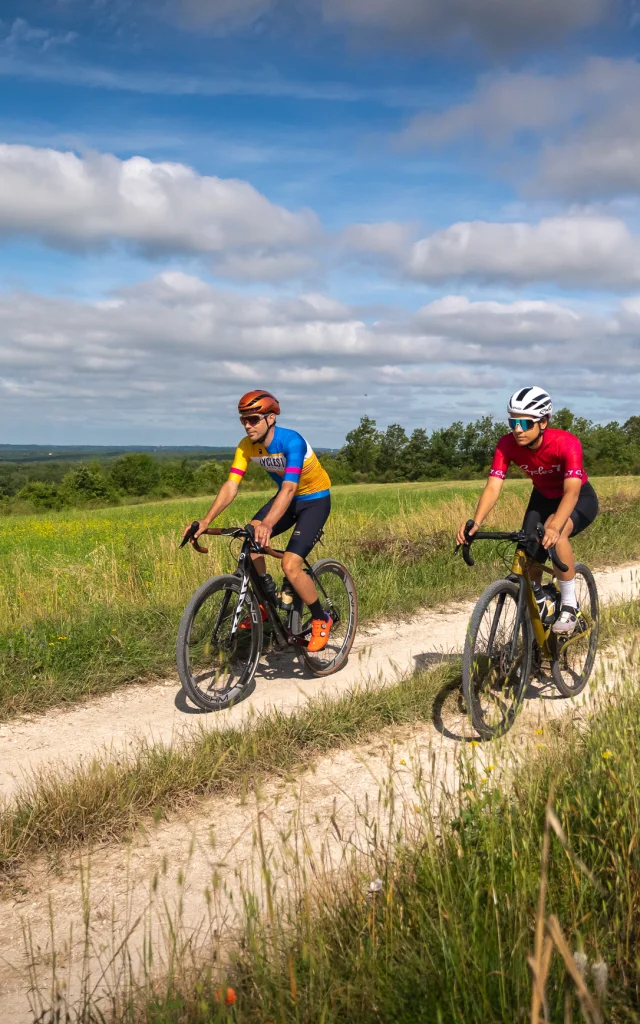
(251, 421)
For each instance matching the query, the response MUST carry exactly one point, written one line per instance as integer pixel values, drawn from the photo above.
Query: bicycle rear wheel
(216, 658)
(574, 655)
(337, 593)
(493, 678)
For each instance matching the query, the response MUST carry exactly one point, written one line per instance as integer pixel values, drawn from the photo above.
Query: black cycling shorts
(540, 508)
(308, 517)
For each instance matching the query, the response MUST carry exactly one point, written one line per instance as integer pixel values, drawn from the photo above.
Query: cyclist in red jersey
(562, 498)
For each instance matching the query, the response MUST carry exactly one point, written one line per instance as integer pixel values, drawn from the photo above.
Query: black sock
(316, 609)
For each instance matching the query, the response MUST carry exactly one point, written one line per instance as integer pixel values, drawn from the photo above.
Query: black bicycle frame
(248, 570)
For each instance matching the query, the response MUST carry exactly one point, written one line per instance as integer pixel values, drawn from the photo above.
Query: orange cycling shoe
(246, 623)
(320, 630)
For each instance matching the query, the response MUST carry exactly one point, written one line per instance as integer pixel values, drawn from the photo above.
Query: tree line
(457, 452)
(464, 451)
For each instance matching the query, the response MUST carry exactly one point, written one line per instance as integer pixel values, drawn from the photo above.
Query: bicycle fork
(520, 611)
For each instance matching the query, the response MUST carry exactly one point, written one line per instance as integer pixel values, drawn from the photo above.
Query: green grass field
(92, 600)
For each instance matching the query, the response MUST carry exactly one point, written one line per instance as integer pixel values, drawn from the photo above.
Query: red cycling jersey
(558, 457)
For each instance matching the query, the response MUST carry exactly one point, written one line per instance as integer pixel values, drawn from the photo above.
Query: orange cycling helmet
(261, 402)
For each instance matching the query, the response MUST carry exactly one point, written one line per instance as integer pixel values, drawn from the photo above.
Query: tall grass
(107, 799)
(90, 601)
(437, 923)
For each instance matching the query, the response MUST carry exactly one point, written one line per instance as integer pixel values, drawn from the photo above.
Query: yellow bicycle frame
(522, 565)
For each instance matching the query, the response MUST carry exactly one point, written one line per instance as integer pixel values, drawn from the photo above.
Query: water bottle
(546, 602)
(286, 595)
(553, 600)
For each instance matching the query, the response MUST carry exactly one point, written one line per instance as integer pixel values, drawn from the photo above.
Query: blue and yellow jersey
(288, 457)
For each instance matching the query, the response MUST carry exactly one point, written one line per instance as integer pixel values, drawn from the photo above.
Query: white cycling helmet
(530, 403)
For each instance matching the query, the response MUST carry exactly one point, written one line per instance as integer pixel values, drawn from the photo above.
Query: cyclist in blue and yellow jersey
(303, 498)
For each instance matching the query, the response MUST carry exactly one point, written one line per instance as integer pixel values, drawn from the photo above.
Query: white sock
(568, 592)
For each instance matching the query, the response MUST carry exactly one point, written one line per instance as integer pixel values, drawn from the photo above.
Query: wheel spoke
(217, 657)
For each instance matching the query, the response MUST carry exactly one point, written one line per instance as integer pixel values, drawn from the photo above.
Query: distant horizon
(309, 435)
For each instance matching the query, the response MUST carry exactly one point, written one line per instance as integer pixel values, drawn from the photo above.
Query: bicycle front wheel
(574, 655)
(496, 662)
(337, 594)
(219, 643)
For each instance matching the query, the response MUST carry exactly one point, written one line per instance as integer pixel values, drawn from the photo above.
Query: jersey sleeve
(295, 451)
(240, 461)
(573, 467)
(501, 459)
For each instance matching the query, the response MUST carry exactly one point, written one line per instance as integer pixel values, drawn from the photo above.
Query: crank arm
(572, 639)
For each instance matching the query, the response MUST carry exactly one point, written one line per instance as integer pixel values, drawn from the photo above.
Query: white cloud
(585, 119)
(506, 103)
(91, 201)
(20, 34)
(169, 356)
(225, 15)
(599, 160)
(498, 24)
(388, 238)
(586, 250)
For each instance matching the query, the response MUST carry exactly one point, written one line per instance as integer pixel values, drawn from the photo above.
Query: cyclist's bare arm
(488, 498)
(281, 503)
(557, 522)
(226, 495)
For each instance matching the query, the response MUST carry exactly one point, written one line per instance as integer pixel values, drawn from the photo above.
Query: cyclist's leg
(582, 516)
(538, 511)
(284, 523)
(311, 518)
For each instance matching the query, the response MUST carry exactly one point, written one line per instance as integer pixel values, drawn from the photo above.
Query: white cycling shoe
(567, 620)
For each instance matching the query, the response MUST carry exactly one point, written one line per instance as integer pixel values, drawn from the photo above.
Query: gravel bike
(221, 634)
(510, 634)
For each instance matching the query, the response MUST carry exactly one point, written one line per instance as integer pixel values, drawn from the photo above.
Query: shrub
(135, 473)
(41, 496)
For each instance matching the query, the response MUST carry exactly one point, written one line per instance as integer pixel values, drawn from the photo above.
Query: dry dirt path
(158, 711)
(319, 819)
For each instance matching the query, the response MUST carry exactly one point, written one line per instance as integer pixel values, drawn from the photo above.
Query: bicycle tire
(557, 641)
(330, 660)
(510, 590)
(225, 697)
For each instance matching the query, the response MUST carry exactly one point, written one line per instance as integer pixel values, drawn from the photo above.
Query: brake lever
(258, 548)
(556, 561)
(466, 554)
(551, 551)
(466, 548)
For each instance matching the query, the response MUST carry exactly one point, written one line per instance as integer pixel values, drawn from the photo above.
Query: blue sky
(401, 207)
